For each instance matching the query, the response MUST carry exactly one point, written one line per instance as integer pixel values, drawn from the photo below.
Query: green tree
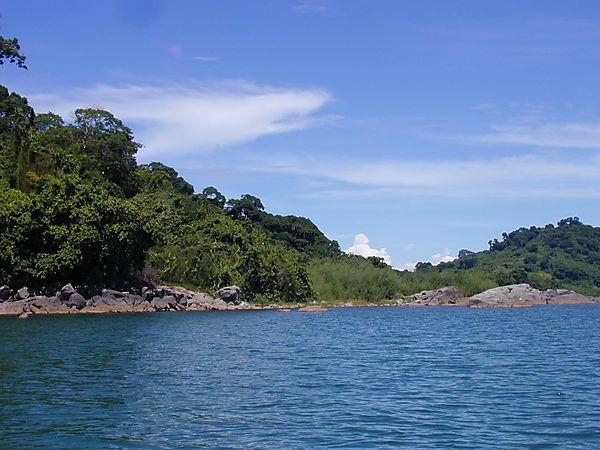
(107, 146)
(10, 51)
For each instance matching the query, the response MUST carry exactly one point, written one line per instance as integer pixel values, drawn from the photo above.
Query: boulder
(113, 293)
(449, 295)
(229, 294)
(134, 300)
(15, 308)
(164, 303)
(148, 294)
(108, 304)
(505, 296)
(48, 305)
(143, 307)
(92, 301)
(25, 315)
(566, 297)
(77, 300)
(22, 293)
(5, 293)
(200, 301)
(66, 292)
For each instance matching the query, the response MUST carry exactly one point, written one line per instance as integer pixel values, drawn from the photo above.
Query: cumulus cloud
(183, 119)
(410, 266)
(441, 257)
(361, 247)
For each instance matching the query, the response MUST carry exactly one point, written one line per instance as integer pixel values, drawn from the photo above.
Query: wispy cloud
(532, 175)
(312, 7)
(572, 135)
(203, 58)
(177, 119)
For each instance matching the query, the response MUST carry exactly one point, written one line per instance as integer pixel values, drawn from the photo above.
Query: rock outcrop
(229, 294)
(446, 296)
(68, 300)
(313, 309)
(523, 295)
(512, 296)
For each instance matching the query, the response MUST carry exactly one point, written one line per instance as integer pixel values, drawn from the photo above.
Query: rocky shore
(68, 300)
(513, 296)
(25, 302)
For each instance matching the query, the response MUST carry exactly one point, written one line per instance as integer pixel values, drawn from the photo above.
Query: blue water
(415, 378)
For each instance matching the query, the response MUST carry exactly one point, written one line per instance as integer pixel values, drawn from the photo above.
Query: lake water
(415, 378)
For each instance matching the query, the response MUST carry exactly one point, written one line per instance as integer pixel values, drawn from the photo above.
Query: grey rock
(200, 300)
(14, 308)
(92, 301)
(449, 295)
(149, 294)
(134, 300)
(77, 300)
(65, 292)
(108, 304)
(48, 305)
(566, 297)
(508, 295)
(113, 293)
(163, 303)
(229, 294)
(22, 293)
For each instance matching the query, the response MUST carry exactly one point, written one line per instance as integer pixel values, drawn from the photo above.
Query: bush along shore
(24, 302)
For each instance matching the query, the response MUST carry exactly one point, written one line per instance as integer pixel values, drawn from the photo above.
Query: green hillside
(76, 207)
(566, 255)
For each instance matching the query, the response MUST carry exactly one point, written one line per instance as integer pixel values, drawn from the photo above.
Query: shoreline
(24, 303)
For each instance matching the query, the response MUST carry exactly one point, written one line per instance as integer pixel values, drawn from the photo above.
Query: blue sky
(426, 126)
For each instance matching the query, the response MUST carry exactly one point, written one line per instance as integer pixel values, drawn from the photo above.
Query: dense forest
(76, 207)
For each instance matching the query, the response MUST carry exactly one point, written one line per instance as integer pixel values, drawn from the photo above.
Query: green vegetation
(10, 51)
(350, 277)
(563, 256)
(75, 206)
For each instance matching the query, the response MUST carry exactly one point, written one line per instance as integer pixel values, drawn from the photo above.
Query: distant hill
(566, 255)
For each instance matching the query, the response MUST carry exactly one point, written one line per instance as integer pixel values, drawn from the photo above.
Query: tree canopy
(10, 51)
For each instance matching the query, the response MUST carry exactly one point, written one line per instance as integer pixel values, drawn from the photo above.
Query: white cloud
(361, 247)
(410, 246)
(204, 58)
(574, 135)
(410, 266)
(312, 7)
(531, 175)
(442, 257)
(179, 119)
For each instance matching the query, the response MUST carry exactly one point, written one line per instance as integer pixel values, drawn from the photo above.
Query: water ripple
(415, 378)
